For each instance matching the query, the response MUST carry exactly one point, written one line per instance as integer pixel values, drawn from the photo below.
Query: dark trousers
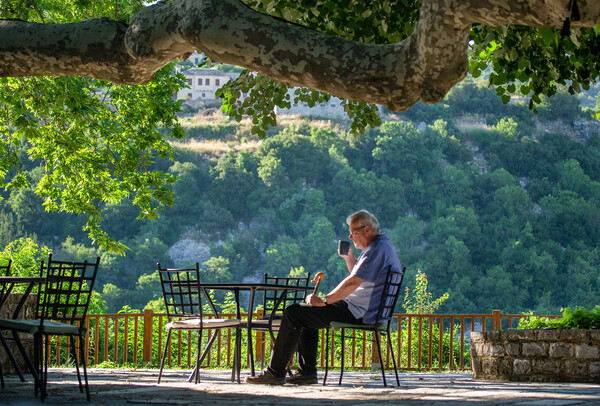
(300, 329)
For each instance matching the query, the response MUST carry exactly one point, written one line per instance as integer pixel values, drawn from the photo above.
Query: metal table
(236, 288)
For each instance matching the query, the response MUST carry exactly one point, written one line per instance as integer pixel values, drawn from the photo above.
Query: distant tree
(282, 255)
(400, 150)
(216, 269)
(560, 106)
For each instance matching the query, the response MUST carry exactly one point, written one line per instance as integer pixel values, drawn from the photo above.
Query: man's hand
(348, 255)
(350, 260)
(314, 300)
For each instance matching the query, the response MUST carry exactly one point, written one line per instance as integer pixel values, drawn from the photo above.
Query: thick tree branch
(425, 66)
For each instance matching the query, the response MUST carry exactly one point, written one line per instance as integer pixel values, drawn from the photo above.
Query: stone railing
(536, 355)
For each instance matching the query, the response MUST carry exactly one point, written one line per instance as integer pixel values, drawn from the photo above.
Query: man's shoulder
(381, 240)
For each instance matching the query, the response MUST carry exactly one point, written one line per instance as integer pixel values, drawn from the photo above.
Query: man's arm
(343, 289)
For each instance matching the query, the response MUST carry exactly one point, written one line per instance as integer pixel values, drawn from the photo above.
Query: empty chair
(275, 302)
(183, 301)
(5, 290)
(382, 324)
(62, 306)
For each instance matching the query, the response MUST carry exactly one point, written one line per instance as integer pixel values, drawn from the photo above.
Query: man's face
(359, 234)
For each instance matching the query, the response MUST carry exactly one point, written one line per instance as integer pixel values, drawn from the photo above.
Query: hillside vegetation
(498, 207)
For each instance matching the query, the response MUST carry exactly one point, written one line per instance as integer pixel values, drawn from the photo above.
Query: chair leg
(389, 336)
(43, 342)
(35, 371)
(378, 341)
(263, 354)
(72, 339)
(33, 366)
(162, 361)
(12, 358)
(237, 355)
(326, 356)
(84, 364)
(250, 351)
(343, 338)
(211, 340)
(197, 367)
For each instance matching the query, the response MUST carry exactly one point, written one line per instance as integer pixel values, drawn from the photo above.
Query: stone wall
(27, 312)
(536, 355)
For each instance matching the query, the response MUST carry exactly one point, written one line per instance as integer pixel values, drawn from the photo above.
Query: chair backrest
(65, 295)
(292, 296)
(6, 289)
(391, 291)
(181, 291)
(5, 269)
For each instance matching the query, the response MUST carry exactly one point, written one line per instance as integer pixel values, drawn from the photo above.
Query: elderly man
(354, 300)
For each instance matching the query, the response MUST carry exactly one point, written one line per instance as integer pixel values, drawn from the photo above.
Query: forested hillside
(498, 207)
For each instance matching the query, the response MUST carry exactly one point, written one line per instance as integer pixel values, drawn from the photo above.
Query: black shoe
(265, 378)
(300, 379)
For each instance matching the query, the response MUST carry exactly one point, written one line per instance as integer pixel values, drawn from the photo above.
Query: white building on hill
(203, 83)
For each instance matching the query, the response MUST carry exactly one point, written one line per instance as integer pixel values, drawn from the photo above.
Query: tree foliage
(95, 139)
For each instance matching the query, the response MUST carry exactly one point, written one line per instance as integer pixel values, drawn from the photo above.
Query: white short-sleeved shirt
(372, 266)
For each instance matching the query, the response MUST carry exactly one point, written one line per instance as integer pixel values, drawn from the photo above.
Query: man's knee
(294, 314)
(292, 310)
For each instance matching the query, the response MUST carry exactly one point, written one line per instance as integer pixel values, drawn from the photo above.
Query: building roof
(209, 72)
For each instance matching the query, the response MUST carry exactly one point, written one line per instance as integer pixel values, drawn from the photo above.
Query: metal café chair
(5, 269)
(382, 325)
(183, 301)
(274, 304)
(62, 306)
(8, 287)
(5, 290)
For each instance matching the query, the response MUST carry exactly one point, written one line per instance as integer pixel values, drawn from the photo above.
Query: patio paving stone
(138, 387)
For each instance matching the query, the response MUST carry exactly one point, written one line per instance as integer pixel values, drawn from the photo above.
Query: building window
(217, 82)
(204, 95)
(207, 82)
(200, 82)
(189, 95)
(190, 82)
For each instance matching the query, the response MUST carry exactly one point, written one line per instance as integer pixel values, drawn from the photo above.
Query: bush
(580, 318)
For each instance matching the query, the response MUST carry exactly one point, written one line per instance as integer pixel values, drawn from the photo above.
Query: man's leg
(299, 328)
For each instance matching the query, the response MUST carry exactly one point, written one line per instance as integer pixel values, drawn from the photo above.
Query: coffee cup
(343, 247)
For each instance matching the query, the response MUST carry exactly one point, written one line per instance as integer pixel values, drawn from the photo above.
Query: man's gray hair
(365, 218)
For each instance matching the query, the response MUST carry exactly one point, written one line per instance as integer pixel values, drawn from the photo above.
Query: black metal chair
(5, 269)
(62, 307)
(382, 325)
(274, 303)
(5, 290)
(183, 301)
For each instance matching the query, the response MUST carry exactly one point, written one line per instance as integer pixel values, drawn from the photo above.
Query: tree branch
(425, 66)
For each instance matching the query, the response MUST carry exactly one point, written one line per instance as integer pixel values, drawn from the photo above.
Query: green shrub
(580, 318)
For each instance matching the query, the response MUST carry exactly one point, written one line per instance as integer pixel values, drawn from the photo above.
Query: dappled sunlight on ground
(126, 386)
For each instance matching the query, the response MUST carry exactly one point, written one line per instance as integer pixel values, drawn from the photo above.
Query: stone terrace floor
(138, 387)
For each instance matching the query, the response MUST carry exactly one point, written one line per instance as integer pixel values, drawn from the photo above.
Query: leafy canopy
(96, 141)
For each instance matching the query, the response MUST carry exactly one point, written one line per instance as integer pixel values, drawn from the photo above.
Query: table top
(22, 279)
(254, 286)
